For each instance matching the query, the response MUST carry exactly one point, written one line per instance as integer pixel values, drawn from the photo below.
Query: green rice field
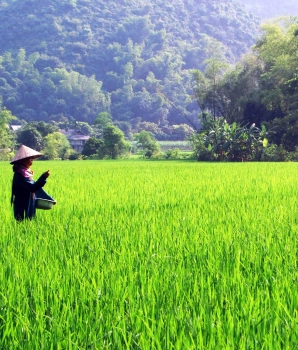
(153, 255)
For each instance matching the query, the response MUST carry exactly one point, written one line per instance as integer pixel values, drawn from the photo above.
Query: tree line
(106, 139)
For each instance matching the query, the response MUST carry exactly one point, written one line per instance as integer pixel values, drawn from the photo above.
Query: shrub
(172, 153)
(274, 153)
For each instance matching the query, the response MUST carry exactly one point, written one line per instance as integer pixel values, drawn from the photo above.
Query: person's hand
(46, 174)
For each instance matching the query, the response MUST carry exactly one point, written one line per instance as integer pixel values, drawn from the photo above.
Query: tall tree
(208, 83)
(30, 136)
(92, 146)
(114, 144)
(278, 49)
(56, 146)
(147, 143)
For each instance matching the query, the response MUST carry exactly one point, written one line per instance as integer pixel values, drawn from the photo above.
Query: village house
(76, 138)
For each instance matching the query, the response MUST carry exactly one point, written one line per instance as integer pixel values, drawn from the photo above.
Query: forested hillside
(266, 9)
(76, 58)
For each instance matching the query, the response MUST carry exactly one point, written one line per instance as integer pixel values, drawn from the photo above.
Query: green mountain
(75, 58)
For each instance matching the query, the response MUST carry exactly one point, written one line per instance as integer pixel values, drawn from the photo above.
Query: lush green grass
(153, 255)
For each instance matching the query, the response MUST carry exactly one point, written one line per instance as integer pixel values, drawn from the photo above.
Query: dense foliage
(262, 88)
(49, 95)
(220, 141)
(6, 135)
(78, 58)
(92, 146)
(33, 134)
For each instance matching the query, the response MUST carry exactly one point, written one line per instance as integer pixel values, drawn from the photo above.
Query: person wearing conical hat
(24, 187)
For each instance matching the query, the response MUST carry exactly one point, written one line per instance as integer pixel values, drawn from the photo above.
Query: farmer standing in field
(24, 188)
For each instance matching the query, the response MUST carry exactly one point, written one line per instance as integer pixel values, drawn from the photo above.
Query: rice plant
(153, 255)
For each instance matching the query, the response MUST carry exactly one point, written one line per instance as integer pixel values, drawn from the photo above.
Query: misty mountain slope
(71, 31)
(267, 9)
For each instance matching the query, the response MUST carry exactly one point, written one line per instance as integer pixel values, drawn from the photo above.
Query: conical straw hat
(25, 152)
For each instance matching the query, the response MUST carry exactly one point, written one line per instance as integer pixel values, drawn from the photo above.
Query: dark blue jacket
(23, 195)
